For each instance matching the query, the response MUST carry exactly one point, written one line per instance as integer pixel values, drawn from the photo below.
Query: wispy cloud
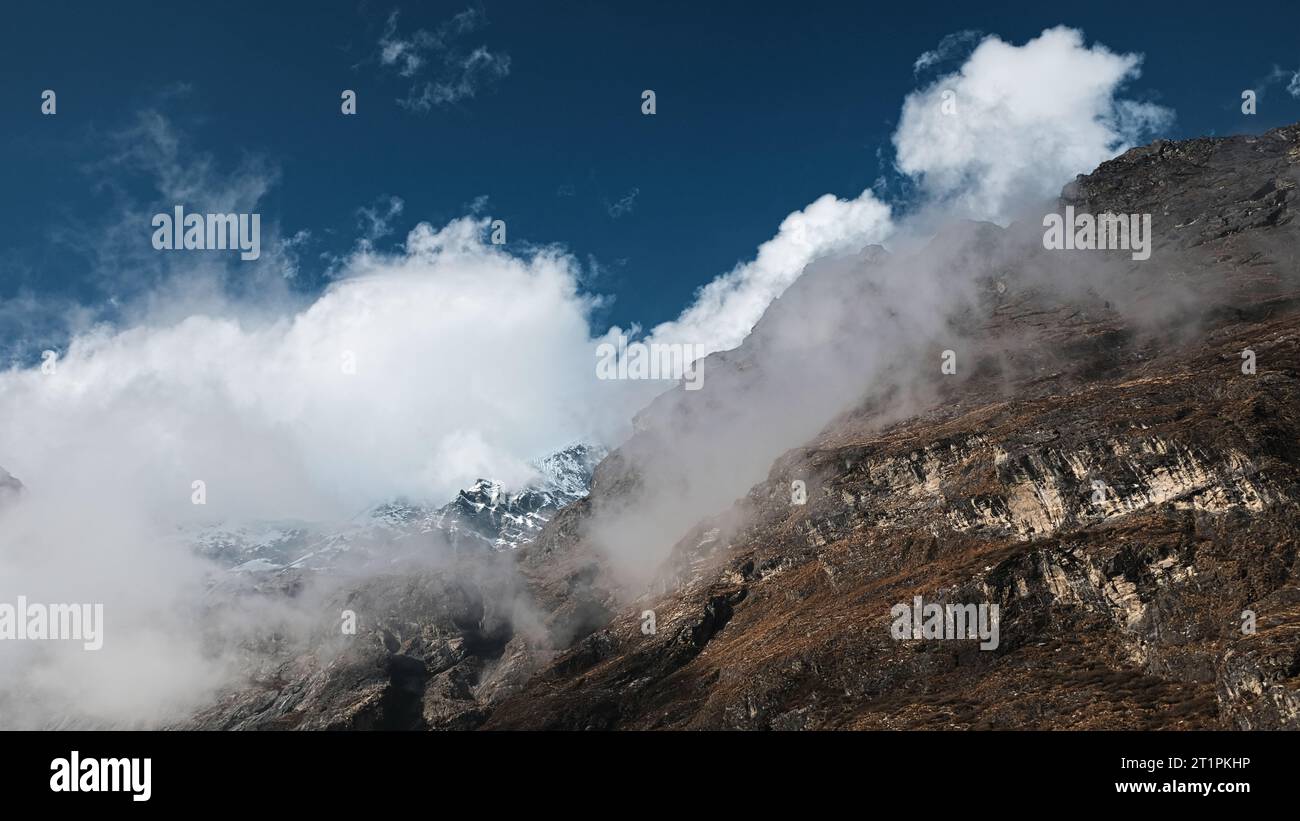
(442, 70)
(375, 221)
(1290, 77)
(958, 43)
(625, 204)
(147, 166)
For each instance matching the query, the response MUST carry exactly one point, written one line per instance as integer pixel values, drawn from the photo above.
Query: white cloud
(470, 361)
(264, 413)
(1027, 119)
(726, 309)
(435, 327)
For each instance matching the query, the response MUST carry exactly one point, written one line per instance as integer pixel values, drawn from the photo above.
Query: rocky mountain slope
(1102, 466)
(1103, 470)
(433, 590)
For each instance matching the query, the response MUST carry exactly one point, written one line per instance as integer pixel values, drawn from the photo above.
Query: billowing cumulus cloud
(413, 375)
(409, 375)
(1020, 122)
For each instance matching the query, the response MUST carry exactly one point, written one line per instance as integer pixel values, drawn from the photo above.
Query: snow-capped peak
(486, 515)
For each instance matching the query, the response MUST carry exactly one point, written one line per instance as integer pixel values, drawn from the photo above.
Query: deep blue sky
(761, 108)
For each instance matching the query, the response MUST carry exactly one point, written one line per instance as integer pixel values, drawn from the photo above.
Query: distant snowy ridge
(484, 516)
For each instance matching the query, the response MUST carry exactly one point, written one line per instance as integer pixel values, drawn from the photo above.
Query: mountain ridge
(774, 615)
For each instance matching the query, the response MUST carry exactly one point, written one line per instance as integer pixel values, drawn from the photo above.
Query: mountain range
(483, 517)
(1105, 449)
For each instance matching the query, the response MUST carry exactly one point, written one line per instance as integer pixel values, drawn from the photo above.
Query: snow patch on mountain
(485, 516)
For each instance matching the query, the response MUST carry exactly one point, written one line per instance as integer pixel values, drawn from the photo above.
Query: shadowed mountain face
(1104, 466)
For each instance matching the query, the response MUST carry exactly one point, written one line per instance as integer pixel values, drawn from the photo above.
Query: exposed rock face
(489, 515)
(426, 640)
(1101, 469)
(1121, 602)
(1119, 613)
